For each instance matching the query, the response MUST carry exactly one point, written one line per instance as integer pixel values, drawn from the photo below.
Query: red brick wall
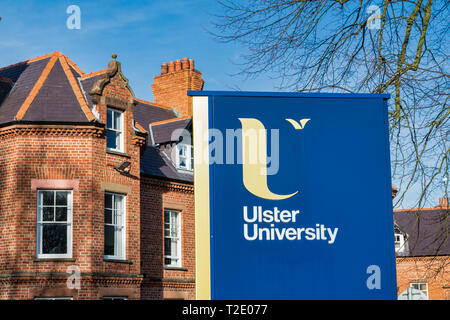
(433, 270)
(79, 154)
(41, 157)
(104, 171)
(49, 154)
(159, 282)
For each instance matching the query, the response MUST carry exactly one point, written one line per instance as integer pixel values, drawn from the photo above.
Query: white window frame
(420, 283)
(54, 298)
(400, 243)
(178, 238)
(123, 239)
(119, 132)
(189, 155)
(69, 223)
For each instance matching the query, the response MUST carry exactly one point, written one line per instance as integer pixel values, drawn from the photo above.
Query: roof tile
(56, 100)
(24, 76)
(428, 231)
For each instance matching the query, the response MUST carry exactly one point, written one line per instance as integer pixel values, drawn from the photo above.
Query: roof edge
(424, 256)
(167, 178)
(170, 120)
(31, 60)
(50, 123)
(153, 104)
(73, 65)
(416, 210)
(76, 89)
(289, 94)
(93, 74)
(138, 125)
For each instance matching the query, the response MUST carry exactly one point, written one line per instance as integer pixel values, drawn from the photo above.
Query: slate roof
(428, 230)
(5, 87)
(44, 89)
(87, 83)
(56, 100)
(148, 112)
(24, 76)
(169, 130)
(156, 160)
(52, 88)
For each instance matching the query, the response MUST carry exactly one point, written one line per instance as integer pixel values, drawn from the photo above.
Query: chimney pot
(443, 203)
(177, 65)
(164, 68)
(185, 64)
(394, 191)
(171, 66)
(171, 88)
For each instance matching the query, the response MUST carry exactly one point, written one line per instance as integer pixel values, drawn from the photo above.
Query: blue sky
(143, 34)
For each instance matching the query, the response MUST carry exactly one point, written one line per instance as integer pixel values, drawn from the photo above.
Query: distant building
(422, 245)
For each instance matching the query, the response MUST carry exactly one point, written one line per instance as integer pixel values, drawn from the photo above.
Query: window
(172, 238)
(114, 226)
(54, 224)
(185, 156)
(114, 130)
(401, 246)
(422, 286)
(399, 241)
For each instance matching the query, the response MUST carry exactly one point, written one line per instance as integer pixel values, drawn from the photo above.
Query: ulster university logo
(254, 172)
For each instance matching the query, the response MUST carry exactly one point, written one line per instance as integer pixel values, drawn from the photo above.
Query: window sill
(175, 268)
(180, 170)
(118, 153)
(54, 259)
(118, 261)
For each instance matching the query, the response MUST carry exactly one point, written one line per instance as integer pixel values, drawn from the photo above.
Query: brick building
(422, 248)
(95, 182)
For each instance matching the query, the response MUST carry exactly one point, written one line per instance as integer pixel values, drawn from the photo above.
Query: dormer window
(114, 130)
(401, 246)
(185, 156)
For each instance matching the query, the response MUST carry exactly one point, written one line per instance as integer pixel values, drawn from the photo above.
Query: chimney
(443, 203)
(171, 86)
(394, 191)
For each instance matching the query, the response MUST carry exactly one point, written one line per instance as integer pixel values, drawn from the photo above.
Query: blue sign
(293, 196)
